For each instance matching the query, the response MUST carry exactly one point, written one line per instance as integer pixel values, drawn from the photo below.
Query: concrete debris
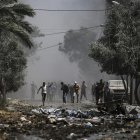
(65, 123)
(96, 120)
(88, 125)
(71, 136)
(132, 109)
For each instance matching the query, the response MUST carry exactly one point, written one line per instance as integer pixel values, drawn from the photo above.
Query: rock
(50, 110)
(1, 125)
(135, 132)
(96, 120)
(36, 111)
(62, 120)
(10, 108)
(51, 116)
(4, 125)
(23, 118)
(138, 126)
(138, 115)
(88, 125)
(71, 136)
(5, 136)
(130, 124)
(52, 120)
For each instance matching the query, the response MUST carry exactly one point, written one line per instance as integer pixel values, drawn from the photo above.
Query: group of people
(101, 91)
(76, 92)
(68, 90)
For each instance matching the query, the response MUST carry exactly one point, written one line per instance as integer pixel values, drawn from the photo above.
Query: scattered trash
(68, 123)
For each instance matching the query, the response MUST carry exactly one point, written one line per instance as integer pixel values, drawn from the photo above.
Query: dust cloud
(53, 65)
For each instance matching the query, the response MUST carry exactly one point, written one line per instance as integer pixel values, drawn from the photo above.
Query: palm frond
(5, 12)
(12, 20)
(23, 9)
(17, 31)
(25, 25)
(5, 2)
(24, 37)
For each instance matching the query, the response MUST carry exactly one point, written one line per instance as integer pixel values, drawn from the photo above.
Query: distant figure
(106, 92)
(93, 90)
(71, 92)
(76, 89)
(53, 90)
(83, 90)
(33, 90)
(97, 93)
(49, 93)
(65, 90)
(68, 95)
(101, 90)
(43, 89)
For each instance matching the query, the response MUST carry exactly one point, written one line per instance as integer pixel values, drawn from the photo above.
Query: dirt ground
(19, 119)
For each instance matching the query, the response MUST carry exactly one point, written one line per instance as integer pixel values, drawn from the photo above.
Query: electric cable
(49, 47)
(73, 30)
(71, 10)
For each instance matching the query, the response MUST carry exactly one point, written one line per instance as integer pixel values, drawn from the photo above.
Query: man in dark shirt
(101, 90)
(83, 90)
(65, 90)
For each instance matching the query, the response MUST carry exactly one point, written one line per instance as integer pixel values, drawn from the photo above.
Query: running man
(43, 89)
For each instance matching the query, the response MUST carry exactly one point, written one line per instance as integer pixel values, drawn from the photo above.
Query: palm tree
(13, 29)
(12, 21)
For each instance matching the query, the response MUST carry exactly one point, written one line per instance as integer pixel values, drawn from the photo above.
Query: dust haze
(51, 64)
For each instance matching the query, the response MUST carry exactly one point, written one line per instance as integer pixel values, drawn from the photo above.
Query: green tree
(12, 14)
(118, 50)
(12, 65)
(14, 34)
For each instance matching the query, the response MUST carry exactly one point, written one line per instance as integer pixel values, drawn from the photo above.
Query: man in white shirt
(43, 89)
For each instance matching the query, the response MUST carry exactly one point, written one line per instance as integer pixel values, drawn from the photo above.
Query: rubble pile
(63, 123)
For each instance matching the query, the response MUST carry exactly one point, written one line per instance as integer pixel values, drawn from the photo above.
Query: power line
(50, 47)
(66, 32)
(73, 30)
(71, 10)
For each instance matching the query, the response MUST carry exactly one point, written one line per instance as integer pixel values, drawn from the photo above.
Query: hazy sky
(52, 64)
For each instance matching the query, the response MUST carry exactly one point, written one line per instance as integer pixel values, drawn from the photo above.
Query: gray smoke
(54, 65)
